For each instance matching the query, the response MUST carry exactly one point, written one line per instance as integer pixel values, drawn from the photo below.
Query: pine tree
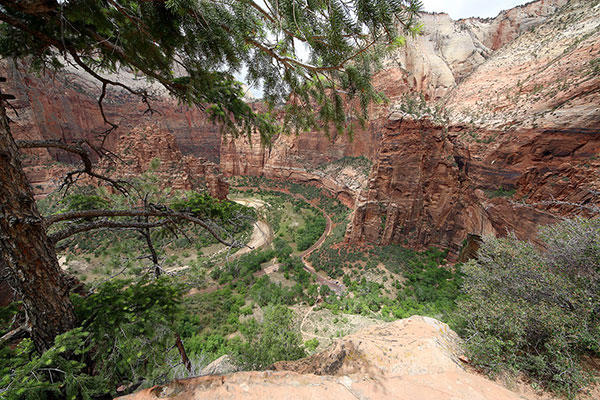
(313, 58)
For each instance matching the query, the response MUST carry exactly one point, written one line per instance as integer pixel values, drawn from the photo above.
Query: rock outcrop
(545, 79)
(153, 149)
(413, 358)
(419, 193)
(448, 51)
(515, 146)
(502, 132)
(65, 106)
(304, 158)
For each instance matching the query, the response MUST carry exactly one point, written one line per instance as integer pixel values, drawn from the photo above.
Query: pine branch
(172, 216)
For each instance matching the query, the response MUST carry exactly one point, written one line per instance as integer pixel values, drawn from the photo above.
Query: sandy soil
(262, 233)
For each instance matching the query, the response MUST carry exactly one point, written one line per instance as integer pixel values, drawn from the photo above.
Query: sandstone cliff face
(64, 106)
(419, 193)
(304, 158)
(522, 127)
(448, 51)
(413, 358)
(545, 79)
(149, 150)
(143, 147)
(520, 96)
(533, 125)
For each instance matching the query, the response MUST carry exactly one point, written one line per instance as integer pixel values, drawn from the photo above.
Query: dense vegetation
(519, 309)
(316, 196)
(534, 311)
(129, 325)
(135, 320)
(419, 282)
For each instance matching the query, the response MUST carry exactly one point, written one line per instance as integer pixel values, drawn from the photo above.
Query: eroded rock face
(516, 144)
(305, 158)
(428, 188)
(448, 51)
(64, 106)
(155, 150)
(413, 358)
(419, 193)
(546, 79)
(521, 145)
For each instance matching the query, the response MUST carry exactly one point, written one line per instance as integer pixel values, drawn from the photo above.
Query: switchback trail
(334, 285)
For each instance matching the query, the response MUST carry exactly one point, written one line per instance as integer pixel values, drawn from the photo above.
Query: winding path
(335, 285)
(262, 233)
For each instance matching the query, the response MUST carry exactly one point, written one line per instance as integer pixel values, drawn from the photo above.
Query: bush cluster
(534, 311)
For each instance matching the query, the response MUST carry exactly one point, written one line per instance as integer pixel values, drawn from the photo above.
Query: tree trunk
(27, 252)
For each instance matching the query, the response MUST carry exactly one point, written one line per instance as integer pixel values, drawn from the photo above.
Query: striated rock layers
(434, 63)
(65, 106)
(425, 189)
(413, 358)
(419, 193)
(492, 125)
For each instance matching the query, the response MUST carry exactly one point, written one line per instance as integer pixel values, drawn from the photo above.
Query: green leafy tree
(272, 340)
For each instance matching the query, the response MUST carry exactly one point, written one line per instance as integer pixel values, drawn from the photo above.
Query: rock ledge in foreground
(412, 358)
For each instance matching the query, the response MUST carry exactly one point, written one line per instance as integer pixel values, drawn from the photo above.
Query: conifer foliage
(313, 59)
(318, 53)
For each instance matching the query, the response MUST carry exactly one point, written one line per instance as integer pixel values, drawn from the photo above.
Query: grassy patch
(500, 192)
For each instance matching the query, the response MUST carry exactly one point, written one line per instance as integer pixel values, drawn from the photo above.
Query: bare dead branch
(82, 153)
(153, 256)
(16, 333)
(68, 49)
(142, 93)
(171, 215)
(93, 288)
(103, 223)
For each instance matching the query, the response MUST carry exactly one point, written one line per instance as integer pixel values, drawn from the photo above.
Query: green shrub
(311, 344)
(124, 338)
(272, 340)
(309, 234)
(500, 192)
(79, 202)
(532, 311)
